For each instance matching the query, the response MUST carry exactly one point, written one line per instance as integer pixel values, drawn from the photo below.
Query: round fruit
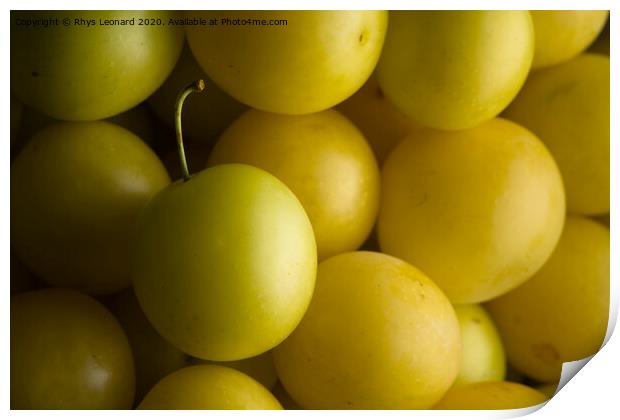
(382, 123)
(455, 69)
(323, 159)
(209, 387)
(378, 335)
(67, 352)
(539, 322)
(85, 73)
(567, 107)
(204, 116)
(483, 352)
(76, 192)
(562, 34)
(304, 62)
(225, 263)
(260, 368)
(154, 357)
(491, 396)
(478, 210)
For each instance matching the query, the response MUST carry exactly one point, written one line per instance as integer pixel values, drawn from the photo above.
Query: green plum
(154, 357)
(224, 260)
(538, 321)
(204, 116)
(378, 334)
(323, 158)
(68, 352)
(568, 107)
(564, 34)
(478, 210)
(314, 61)
(209, 387)
(76, 192)
(84, 73)
(483, 358)
(455, 69)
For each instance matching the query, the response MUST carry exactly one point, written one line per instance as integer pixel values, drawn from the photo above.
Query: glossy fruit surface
(491, 396)
(323, 159)
(567, 107)
(225, 263)
(314, 61)
(478, 210)
(209, 387)
(379, 120)
(154, 357)
(455, 69)
(204, 116)
(563, 34)
(378, 335)
(483, 358)
(538, 321)
(85, 73)
(68, 352)
(76, 192)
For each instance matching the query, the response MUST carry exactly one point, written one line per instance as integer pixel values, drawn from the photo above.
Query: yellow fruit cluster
(362, 209)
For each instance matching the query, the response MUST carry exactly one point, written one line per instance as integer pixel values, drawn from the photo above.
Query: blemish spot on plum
(363, 37)
(546, 352)
(561, 91)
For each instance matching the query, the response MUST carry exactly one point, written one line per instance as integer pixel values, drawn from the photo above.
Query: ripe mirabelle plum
(478, 210)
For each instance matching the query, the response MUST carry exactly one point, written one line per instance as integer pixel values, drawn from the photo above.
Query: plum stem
(197, 86)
